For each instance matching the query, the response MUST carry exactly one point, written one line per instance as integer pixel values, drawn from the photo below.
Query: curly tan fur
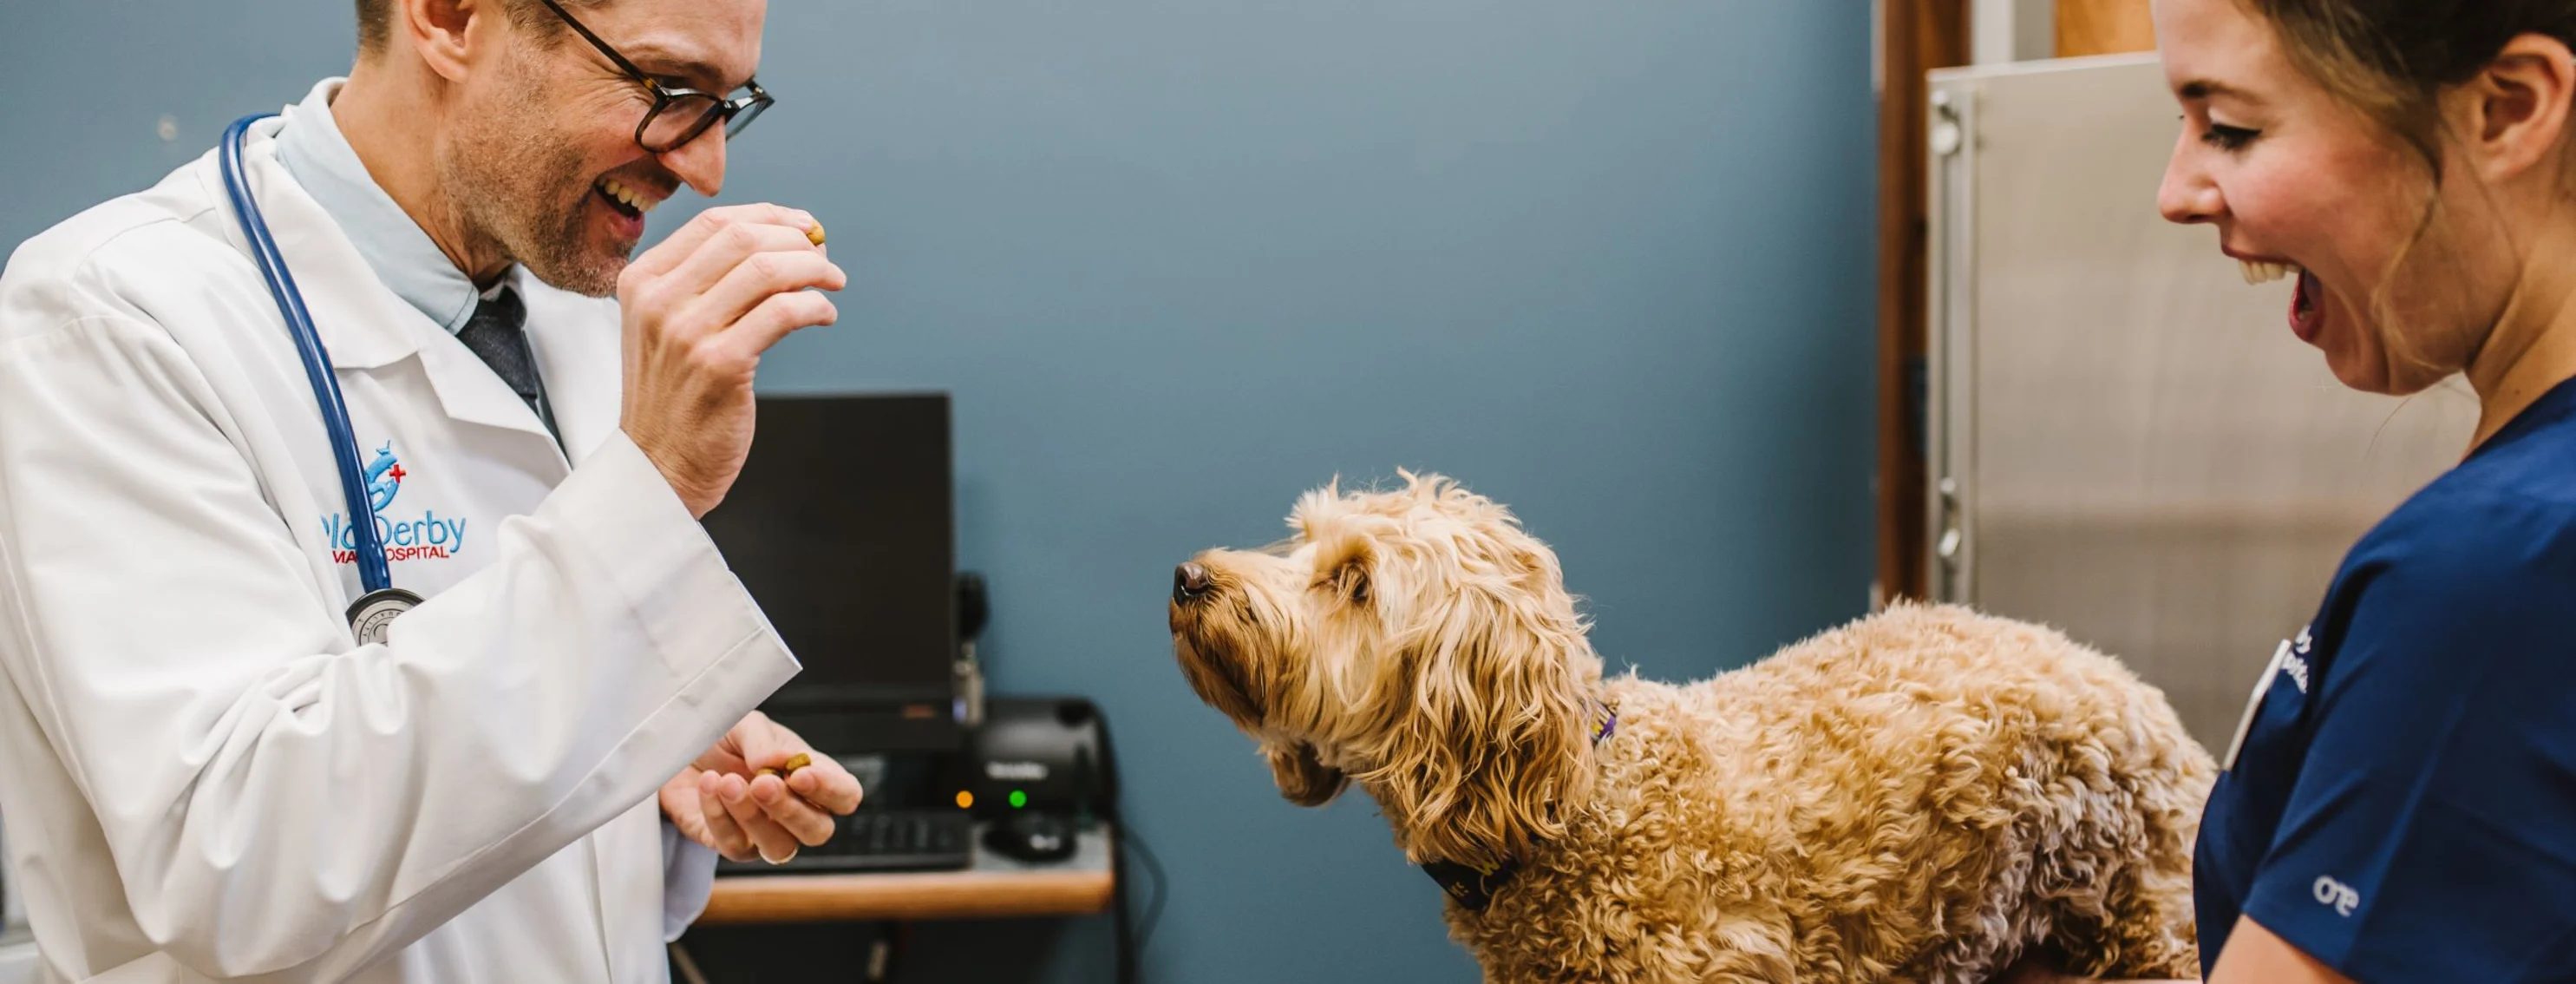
(1927, 794)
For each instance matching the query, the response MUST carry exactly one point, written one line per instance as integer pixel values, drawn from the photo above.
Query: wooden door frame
(2103, 27)
(1915, 37)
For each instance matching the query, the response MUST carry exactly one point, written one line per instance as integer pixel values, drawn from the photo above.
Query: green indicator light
(1019, 799)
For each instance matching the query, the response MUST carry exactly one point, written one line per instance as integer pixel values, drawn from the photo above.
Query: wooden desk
(995, 886)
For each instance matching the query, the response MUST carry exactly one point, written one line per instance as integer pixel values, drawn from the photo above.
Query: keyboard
(880, 840)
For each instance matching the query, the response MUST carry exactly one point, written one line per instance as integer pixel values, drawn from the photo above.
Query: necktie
(494, 334)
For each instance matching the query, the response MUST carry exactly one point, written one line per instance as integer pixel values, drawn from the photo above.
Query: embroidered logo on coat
(429, 536)
(384, 478)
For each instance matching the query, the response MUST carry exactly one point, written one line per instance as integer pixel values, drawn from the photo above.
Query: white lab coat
(203, 776)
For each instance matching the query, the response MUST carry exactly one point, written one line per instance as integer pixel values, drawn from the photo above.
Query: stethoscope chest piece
(373, 614)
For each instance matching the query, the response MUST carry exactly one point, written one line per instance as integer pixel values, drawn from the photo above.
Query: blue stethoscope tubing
(373, 574)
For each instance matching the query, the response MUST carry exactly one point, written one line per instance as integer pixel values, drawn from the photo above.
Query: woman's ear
(2512, 117)
(1304, 779)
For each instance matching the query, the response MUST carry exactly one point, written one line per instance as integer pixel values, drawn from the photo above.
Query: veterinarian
(2400, 804)
(211, 766)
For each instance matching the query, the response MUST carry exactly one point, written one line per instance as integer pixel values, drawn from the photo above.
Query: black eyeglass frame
(737, 112)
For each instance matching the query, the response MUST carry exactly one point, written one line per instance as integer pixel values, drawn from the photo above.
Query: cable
(688, 968)
(1131, 941)
(1162, 887)
(1120, 923)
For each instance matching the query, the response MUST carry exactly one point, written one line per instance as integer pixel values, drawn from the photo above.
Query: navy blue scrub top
(2401, 803)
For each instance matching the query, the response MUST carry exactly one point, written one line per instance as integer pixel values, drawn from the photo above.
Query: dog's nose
(1190, 582)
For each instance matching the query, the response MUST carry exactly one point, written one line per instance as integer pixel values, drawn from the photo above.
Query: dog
(1924, 795)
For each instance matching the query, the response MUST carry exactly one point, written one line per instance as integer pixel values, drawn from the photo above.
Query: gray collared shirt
(410, 264)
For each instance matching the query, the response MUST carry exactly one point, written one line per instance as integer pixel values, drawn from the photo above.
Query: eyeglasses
(678, 115)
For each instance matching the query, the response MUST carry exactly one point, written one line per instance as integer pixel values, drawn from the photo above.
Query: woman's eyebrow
(2201, 90)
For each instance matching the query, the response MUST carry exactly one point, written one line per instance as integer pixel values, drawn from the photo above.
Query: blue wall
(1180, 259)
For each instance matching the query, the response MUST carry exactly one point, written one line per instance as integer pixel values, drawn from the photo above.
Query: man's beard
(530, 199)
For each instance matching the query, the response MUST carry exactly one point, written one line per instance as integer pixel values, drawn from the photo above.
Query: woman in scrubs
(2400, 804)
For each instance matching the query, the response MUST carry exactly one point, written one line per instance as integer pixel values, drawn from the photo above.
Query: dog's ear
(1344, 549)
(1342, 564)
(1304, 779)
(1489, 731)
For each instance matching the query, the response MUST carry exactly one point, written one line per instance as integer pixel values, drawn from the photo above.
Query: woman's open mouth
(2307, 312)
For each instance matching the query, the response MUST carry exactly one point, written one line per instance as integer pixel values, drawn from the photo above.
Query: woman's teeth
(628, 196)
(2258, 272)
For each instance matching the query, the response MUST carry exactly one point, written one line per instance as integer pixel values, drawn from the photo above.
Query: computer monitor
(842, 526)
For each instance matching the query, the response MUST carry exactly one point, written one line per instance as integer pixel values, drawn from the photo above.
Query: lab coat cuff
(673, 579)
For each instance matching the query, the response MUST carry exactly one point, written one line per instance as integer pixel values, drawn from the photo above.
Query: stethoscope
(373, 612)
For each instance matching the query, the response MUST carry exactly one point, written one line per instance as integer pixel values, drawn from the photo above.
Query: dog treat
(787, 768)
(815, 235)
